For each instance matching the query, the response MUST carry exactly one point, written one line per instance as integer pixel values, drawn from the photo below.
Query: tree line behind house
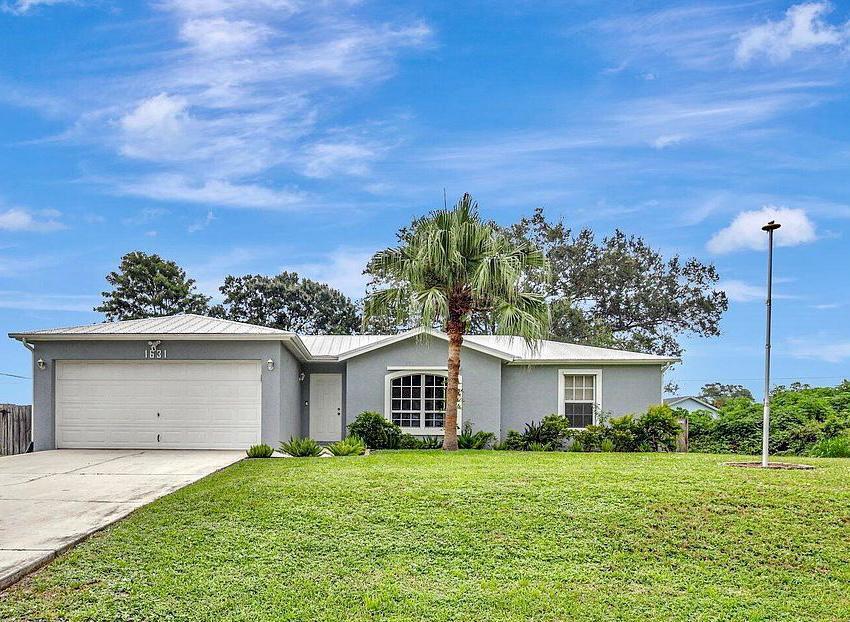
(615, 292)
(804, 420)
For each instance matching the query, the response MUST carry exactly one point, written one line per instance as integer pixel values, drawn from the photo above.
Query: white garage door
(158, 404)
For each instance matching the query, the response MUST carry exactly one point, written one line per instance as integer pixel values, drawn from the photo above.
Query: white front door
(326, 407)
(158, 404)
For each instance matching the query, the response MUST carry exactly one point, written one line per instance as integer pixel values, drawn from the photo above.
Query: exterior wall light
(270, 365)
(301, 377)
(40, 364)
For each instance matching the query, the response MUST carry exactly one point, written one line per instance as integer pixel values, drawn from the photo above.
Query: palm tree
(449, 266)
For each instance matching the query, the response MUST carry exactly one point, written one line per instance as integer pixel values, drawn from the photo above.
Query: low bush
(376, 431)
(624, 432)
(349, 446)
(301, 448)
(659, 428)
(431, 442)
(589, 438)
(607, 445)
(835, 447)
(468, 439)
(260, 451)
(408, 441)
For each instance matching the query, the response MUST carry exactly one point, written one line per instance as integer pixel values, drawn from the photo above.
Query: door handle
(157, 438)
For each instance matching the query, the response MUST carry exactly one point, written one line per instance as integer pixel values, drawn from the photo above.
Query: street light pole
(765, 434)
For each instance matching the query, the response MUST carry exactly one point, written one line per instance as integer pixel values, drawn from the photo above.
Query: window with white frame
(580, 396)
(417, 401)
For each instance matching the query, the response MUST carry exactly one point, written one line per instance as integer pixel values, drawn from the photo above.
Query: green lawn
(474, 536)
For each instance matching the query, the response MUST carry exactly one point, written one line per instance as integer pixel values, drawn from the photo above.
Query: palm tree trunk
(454, 328)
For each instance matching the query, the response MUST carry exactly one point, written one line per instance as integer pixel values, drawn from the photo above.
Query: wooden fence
(15, 429)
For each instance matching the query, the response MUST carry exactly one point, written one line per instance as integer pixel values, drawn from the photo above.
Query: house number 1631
(154, 352)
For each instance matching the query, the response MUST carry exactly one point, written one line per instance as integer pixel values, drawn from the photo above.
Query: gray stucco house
(189, 381)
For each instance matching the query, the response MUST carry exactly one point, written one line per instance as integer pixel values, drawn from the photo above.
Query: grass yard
(474, 536)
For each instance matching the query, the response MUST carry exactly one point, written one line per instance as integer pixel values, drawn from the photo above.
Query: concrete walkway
(51, 500)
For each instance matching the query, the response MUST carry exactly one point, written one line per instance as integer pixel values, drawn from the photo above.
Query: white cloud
(830, 351)
(146, 216)
(24, 6)
(341, 269)
(235, 89)
(218, 36)
(740, 291)
(156, 128)
(171, 187)
(47, 302)
(803, 28)
(668, 140)
(203, 223)
(745, 232)
(17, 219)
(326, 159)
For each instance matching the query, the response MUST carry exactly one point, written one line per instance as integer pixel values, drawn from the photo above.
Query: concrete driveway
(51, 500)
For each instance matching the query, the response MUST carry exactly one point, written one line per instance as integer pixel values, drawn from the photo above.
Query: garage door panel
(201, 404)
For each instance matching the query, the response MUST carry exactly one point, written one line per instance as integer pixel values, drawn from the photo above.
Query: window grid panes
(418, 401)
(579, 399)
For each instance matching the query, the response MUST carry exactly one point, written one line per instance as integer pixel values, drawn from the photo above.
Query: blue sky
(239, 136)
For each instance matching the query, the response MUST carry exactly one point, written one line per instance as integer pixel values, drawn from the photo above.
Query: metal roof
(184, 324)
(334, 345)
(514, 350)
(546, 350)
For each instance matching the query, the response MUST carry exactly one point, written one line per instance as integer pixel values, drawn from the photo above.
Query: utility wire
(14, 376)
(774, 378)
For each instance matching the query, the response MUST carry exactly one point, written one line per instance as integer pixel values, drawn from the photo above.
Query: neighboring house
(690, 403)
(189, 381)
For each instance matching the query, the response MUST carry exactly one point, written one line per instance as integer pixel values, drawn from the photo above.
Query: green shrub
(836, 447)
(577, 445)
(301, 447)
(408, 441)
(514, 441)
(468, 439)
(554, 431)
(375, 431)
(801, 417)
(590, 437)
(260, 451)
(535, 446)
(431, 442)
(659, 428)
(624, 432)
(349, 446)
(606, 445)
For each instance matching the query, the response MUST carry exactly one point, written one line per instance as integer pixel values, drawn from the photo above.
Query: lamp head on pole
(771, 226)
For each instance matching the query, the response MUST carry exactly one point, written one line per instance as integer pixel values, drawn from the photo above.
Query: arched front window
(416, 401)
